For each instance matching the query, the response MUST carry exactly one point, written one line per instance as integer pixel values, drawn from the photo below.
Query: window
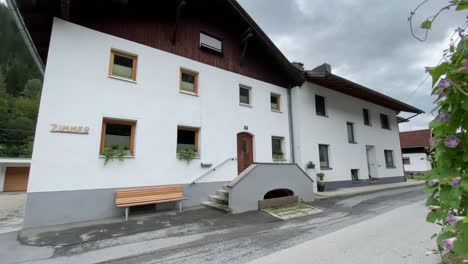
(188, 81)
(406, 161)
(350, 127)
(118, 134)
(277, 148)
(384, 121)
(365, 114)
(275, 102)
(244, 95)
(211, 43)
(187, 138)
(354, 174)
(323, 155)
(320, 105)
(389, 159)
(123, 65)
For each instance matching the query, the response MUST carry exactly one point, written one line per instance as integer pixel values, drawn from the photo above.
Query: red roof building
(415, 139)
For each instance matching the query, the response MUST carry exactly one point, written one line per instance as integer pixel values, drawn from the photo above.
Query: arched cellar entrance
(278, 193)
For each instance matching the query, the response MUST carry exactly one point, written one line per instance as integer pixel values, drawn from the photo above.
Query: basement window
(187, 138)
(188, 81)
(211, 43)
(123, 65)
(118, 134)
(275, 102)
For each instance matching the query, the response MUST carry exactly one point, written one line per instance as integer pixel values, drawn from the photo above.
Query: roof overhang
(342, 85)
(34, 20)
(15, 162)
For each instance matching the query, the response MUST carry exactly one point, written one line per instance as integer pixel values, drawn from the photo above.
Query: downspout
(25, 35)
(291, 129)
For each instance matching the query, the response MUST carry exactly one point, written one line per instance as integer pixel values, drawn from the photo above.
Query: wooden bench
(153, 195)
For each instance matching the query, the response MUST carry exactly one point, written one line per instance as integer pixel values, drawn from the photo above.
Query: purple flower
(455, 181)
(452, 141)
(432, 142)
(448, 243)
(443, 117)
(464, 68)
(432, 182)
(445, 83)
(427, 69)
(453, 220)
(433, 207)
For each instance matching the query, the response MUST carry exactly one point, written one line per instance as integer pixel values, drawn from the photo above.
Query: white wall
(310, 130)
(2, 177)
(78, 91)
(418, 162)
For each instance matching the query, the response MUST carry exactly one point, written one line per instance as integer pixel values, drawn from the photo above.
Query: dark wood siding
(153, 23)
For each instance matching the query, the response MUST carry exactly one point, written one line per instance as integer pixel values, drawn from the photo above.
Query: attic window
(211, 43)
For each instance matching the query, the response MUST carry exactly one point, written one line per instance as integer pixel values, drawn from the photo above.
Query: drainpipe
(25, 35)
(291, 129)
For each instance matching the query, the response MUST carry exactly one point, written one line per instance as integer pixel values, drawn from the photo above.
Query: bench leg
(126, 214)
(180, 207)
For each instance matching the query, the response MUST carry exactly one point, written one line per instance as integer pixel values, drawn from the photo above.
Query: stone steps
(217, 206)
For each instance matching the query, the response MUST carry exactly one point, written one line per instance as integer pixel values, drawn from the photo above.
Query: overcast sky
(366, 41)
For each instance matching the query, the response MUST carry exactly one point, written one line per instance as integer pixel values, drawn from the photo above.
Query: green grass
(455, 259)
(288, 208)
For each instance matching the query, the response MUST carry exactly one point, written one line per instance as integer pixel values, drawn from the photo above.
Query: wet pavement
(11, 211)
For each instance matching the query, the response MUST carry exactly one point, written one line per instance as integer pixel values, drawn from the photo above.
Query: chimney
(298, 65)
(323, 68)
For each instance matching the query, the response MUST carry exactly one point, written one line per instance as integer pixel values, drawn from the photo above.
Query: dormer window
(211, 43)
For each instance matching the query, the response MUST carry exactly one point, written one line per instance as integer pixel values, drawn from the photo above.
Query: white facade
(78, 91)
(418, 162)
(310, 130)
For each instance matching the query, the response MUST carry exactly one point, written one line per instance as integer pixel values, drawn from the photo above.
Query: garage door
(16, 179)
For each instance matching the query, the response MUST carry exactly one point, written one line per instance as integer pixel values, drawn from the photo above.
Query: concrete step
(223, 193)
(217, 206)
(227, 188)
(218, 199)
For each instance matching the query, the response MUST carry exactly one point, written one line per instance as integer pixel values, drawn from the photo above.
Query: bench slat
(151, 195)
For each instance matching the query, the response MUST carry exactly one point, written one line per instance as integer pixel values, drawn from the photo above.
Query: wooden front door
(244, 151)
(16, 179)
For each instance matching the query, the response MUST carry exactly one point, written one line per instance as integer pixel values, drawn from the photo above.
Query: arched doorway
(277, 193)
(244, 151)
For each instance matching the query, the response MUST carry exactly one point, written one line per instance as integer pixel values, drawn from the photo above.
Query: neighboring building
(14, 174)
(158, 77)
(349, 131)
(415, 148)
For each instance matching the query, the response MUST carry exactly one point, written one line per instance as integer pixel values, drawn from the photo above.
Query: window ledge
(280, 160)
(323, 168)
(326, 116)
(122, 79)
(368, 125)
(352, 142)
(391, 167)
(386, 128)
(246, 105)
(125, 157)
(188, 93)
(276, 111)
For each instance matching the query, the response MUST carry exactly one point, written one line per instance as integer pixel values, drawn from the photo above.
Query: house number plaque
(55, 128)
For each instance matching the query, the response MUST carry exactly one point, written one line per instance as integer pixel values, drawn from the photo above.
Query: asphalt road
(246, 244)
(364, 219)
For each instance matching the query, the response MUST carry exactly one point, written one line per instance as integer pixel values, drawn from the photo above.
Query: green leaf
(462, 5)
(431, 217)
(438, 71)
(465, 220)
(427, 24)
(464, 185)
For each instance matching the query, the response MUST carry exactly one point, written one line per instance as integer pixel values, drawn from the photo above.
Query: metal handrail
(213, 169)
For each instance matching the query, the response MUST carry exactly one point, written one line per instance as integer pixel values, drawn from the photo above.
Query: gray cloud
(366, 41)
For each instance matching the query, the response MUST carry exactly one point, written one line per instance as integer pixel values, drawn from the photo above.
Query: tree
(448, 181)
(32, 89)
